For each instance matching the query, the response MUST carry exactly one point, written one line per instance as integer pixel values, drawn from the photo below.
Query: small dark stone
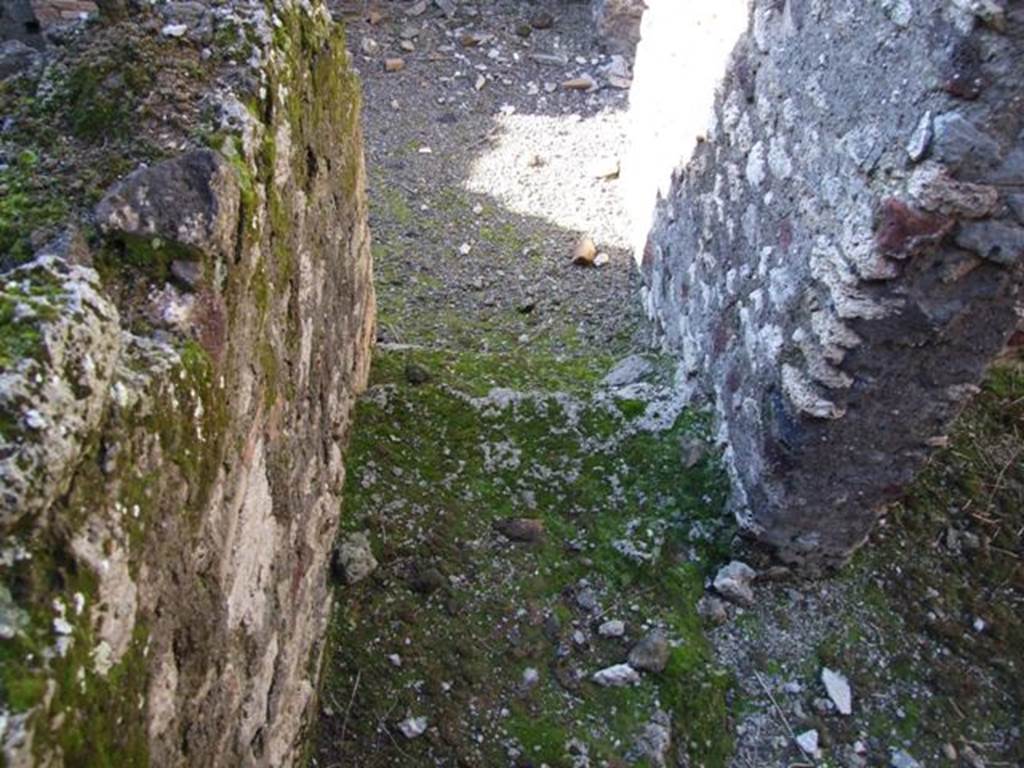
(187, 272)
(962, 146)
(542, 20)
(586, 599)
(426, 581)
(568, 677)
(694, 450)
(651, 654)
(524, 30)
(712, 610)
(524, 529)
(416, 374)
(552, 628)
(453, 607)
(996, 241)
(965, 78)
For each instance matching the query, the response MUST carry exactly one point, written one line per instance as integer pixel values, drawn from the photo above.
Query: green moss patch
(434, 469)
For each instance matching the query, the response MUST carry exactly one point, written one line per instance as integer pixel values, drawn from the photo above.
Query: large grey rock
(18, 22)
(191, 200)
(998, 241)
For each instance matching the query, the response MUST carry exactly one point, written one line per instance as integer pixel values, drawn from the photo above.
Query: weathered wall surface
(27, 19)
(17, 20)
(49, 12)
(617, 24)
(841, 256)
(176, 378)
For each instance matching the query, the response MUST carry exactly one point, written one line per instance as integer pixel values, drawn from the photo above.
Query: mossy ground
(431, 469)
(484, 301)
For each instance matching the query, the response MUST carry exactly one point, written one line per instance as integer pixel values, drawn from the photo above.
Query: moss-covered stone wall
(185, 318)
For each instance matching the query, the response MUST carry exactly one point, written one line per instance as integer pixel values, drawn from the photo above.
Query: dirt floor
(537, 523)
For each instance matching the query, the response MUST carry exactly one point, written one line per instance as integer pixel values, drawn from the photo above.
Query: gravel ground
(485, 172)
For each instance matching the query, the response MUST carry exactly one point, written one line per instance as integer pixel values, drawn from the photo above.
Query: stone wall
(838, 257)
(617, 24)
(177, 371)
(26, 20)
(18, 21)
(50, 12)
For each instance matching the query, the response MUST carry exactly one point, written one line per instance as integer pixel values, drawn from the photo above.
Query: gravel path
(485, 171)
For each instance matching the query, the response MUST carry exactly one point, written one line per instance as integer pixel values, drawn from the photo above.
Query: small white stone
(530, 677)
(901, 759)
(412, 727)
(612, 628)
(616, 676)
(356, 557)
(465, 249)
(733, 582)
(979, 624)
(102, 658)
(808, 741)
(838, 690)
(62, 627)
(921, 138)
(174, 30)
(395, 660)
(35, 420)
